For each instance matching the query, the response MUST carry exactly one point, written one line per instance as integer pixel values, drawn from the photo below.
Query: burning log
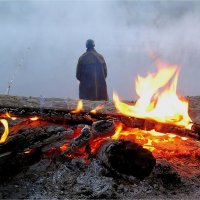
(126, 157)
(65, 111)
(146, 124)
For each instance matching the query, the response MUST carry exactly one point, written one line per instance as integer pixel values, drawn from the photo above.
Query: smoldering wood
(29, 138)
(126, 157)
(26, 147)
(79, 141)
(41, 139)
(29, 144)
(100, 129)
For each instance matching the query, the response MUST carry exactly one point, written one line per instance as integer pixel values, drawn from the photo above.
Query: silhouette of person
(92, 72)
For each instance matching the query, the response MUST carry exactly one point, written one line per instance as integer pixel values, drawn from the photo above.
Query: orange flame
(117, 131)
(158, 99)
(99, 107)
(79, 107)
(6, 131)
(148, 139)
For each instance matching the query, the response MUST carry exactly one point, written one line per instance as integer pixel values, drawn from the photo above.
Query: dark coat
(91, 72)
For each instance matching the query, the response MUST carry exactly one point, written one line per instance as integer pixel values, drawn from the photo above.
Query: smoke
(124, 31)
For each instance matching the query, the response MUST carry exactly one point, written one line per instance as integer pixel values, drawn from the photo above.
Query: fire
(151, 140)
(9, 116)
(148, 145)
(79, 107)
(6, 131)
(28, 151)
(158, 99)
(117, 132)
(99, 107)
(184, 138)
(63, 147)
(34, 118)
(171, 135)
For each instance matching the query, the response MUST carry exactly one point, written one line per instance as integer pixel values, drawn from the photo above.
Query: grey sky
(43, 40)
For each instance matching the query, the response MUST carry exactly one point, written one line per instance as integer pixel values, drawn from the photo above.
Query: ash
(74, 179)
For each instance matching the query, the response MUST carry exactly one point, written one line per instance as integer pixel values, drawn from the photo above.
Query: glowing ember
(148, 145)
(155, 133)
(6, 131)
(28, 151)
(171, 135)
(9, 116)
(64, 147)
(184, 138)
(34, 118)
(99, 107)
(79, 107)
(158, 99)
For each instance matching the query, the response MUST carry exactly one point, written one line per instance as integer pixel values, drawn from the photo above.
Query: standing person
(92, 72)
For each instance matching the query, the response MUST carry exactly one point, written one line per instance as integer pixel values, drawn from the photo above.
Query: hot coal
(99, 129)
(80, 140)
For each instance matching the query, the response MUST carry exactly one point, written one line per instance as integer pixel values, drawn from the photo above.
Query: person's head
(90, 44)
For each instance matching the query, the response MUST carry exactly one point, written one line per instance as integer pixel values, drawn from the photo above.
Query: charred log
(103, 128)
(196, 128)
(28, 145)
(126, 157)
(25, 141)
(29, 138)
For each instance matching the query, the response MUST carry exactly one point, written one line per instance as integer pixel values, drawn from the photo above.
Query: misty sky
(41, 42)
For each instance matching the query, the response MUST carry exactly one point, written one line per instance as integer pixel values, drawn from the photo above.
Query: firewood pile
(79, 154)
